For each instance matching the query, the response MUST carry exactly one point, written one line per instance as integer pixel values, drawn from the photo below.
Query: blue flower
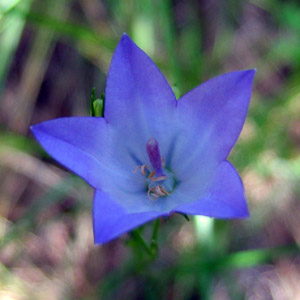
(151, 155)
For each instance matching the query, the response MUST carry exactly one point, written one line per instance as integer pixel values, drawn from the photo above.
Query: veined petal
(212, 115)
(110, 220)
(135, 86)
(83, 145)
(139, 101)
(224, 197)
(92, 149)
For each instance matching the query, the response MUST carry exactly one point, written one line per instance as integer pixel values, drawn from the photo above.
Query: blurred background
(52, 53)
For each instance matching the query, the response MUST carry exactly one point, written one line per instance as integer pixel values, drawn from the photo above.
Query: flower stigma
(159, 181)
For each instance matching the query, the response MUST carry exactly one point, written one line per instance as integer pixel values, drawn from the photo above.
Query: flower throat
(159, 181)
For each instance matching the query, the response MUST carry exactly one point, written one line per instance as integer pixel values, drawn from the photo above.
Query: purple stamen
(154, 156)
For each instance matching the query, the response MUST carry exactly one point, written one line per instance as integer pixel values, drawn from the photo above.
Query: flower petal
(92, 149)
(139, 103)
(111, 220)
(135, 86)
(139, 100)
(82, 144)
(224, 198)
(213, 115)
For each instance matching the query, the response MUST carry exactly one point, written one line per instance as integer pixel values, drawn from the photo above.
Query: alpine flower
(152, 155)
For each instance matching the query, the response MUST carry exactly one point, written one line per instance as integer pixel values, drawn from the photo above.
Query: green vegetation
(52, 54)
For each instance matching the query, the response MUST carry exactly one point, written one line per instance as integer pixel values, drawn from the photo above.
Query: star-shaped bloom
(152, 155)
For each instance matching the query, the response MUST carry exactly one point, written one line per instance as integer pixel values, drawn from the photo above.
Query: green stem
(153, 245)
(151, 250)
(138, 237)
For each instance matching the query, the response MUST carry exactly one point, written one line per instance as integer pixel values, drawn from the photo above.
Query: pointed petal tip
(103, 240)
(251, 70)
(34, 129)
(98, 241)
(125, 38)
(245, 214)
(125, 44)
(241, 211)
(249, 73)
(239, 215)
(39, 128)
(246, 73)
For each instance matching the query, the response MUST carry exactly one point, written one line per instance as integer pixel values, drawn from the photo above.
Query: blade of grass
(66, 28)
(11, 28)
(34, 70)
